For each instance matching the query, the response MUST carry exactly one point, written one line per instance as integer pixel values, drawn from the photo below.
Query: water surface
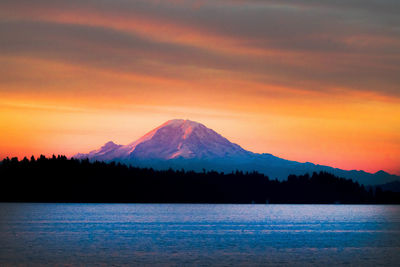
(198, 235)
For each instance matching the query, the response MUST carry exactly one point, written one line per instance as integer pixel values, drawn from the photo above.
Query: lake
(198, 235)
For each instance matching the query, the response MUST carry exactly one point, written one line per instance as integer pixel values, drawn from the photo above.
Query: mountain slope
(190, 145)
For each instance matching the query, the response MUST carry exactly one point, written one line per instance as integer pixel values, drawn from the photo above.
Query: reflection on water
(160, 234)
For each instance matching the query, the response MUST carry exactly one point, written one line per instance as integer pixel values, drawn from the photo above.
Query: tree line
(59, 179)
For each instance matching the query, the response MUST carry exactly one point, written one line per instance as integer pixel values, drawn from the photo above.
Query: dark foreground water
(198, 235)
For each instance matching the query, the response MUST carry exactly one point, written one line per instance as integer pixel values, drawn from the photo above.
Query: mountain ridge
(191, 145)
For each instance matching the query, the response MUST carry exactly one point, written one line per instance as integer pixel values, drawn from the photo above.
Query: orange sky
(306, 82)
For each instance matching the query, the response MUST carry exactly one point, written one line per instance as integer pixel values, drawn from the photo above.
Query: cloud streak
(324, 47)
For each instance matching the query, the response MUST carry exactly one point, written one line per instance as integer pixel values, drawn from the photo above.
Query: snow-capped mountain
(172, 140)
(190, 145)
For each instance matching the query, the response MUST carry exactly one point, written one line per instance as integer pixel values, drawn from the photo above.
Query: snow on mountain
(104, 153)
(173, 139)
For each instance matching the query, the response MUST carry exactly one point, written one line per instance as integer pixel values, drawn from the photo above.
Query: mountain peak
(182, 123)
(109, 144)
(180, 138)
(186, 126)
(177, 138)
(381, 172)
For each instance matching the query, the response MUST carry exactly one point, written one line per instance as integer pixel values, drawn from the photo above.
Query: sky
(311, 81)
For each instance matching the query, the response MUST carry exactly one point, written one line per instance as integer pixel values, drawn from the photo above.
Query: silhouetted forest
(59, 179)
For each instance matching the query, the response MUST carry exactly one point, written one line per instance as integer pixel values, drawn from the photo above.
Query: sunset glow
(307, 82)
